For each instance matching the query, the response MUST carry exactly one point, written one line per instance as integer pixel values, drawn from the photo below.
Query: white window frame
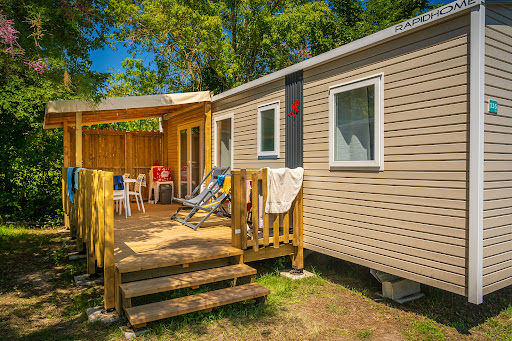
(277, 133)
(378, 163)
(215, 135)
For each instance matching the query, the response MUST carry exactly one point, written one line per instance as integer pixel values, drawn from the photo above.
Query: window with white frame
(268, 130)
(223, 137)
(356, 128)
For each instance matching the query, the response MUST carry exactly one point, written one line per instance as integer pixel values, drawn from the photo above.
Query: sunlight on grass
(10, 236)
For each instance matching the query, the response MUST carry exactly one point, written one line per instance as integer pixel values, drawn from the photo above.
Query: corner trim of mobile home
(476, 154)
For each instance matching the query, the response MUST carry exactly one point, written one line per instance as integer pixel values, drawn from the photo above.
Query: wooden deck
(149, 253)
(151, 240)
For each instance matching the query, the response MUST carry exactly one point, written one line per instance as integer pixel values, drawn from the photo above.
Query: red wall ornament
(295, 108)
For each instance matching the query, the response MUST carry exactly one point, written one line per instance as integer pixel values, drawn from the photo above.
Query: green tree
(137, 80)
(217, 45)
(44, 56)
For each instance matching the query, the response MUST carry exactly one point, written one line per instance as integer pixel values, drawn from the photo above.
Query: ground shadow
(441, 306)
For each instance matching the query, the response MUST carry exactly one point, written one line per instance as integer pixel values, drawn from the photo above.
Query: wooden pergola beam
(78, 139)
(207, 137)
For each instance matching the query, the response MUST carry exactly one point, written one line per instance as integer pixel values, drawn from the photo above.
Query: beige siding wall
(498, 150)
(245, 108)
(411, 219)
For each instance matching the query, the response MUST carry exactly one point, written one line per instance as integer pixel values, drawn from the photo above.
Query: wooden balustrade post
(80, 211)
(266, 228)
(108, 253)
(243, 207)
(255, 211)
(91, 266)
(235, 210)
(275, 230)
(99, 238)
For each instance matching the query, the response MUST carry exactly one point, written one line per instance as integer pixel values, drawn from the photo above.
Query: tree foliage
(199, 45)
(217, 45)
(59, 36)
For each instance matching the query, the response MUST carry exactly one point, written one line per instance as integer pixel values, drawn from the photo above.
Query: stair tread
(183, 305)
(185, 280)
(190, 255)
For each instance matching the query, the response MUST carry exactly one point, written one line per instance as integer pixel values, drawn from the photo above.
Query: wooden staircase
(187, 274)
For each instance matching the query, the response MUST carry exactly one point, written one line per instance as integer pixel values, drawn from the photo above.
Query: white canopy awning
(118, 109)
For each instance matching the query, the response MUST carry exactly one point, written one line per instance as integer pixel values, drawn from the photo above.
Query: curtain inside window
(267, 130)
(224, 143)
(355, 119)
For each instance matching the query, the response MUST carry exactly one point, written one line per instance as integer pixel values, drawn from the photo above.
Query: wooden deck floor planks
(151, 240)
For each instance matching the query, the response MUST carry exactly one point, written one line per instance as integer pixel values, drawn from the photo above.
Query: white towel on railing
(283, 185)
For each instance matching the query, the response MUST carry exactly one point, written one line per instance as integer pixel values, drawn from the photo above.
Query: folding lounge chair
(215, 206)
(204, 197)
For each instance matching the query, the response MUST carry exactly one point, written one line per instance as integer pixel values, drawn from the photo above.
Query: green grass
(340, 310)
(364, 335)
(424, 331)
(337, 303)
(500, 327)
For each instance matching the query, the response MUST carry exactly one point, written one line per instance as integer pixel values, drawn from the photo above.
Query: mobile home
(405, 137)
(406, 141)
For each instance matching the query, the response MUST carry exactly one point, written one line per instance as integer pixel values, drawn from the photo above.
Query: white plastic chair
(119, 197)
(137, 192)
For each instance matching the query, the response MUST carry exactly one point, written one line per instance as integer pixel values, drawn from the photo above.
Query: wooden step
(140, 315)
(185, 256)
(185, 280)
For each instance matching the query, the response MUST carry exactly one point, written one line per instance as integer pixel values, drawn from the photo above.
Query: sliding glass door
(191, 150)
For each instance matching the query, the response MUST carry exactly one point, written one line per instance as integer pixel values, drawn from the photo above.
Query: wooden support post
(65, 197)
(207, 137)
(298, 255)
(108, 260)
(67, 163)
(128, 149)
(165, 141)
(78, 139)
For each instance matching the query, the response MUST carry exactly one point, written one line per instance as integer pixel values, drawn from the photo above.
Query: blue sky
(103, 60)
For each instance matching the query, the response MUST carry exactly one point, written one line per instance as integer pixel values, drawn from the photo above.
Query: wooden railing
(91, 220)
(264, 230)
